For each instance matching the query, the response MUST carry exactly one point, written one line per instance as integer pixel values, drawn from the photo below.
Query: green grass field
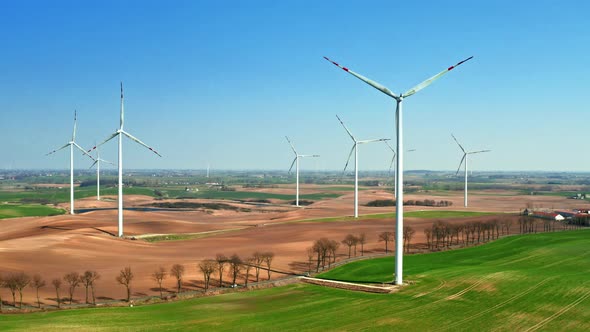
(518, 283)
(14, 211)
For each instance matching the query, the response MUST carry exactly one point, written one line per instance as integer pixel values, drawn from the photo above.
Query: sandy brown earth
(53, 246)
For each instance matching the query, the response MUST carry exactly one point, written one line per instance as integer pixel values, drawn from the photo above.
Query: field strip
(538, 254)
(566, 260)
(456, 295)
(462, 292)
(499, 305)
(559, 313)
(441, 285)
(191, 235)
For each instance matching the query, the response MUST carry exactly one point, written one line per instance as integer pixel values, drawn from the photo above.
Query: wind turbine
(72, 144)
(296, 161)
(97, 163)
(399, 216)
(465, 154)
(356, 163)
(120, 132)
(391, 164)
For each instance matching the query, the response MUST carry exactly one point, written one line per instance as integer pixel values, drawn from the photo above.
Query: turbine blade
(458, 143)
(106, 140)
(108, 162)
(94, 163)
(140, 142)
(478, 151)
(391, 164)
(348, 131)
(390, 148)
(374, 140)
(411, 150)
(309, 155)
(292, 147)
(83, 151)
(432, 79)
(122, 110)
(366, 80)
(348, 160)
(293, 163)
(461, 163)
(54, 151)
(75, 121)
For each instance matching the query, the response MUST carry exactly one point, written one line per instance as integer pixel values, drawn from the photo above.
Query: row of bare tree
(17, 282)
(323, 251)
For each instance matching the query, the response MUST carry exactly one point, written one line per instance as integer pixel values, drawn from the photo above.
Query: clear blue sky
(224, 81)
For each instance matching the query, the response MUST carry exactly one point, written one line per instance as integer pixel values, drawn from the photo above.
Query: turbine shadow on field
(103, 231)
(56, 228)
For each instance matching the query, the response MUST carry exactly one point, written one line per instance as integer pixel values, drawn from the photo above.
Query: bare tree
(349, 240)
(177, 271)
(36, 283)
(57, 285)
(87, 280)
(258, 261)
(207, 267)
(428, 234)
(22, 280)
(268, 257)
(408, 234)
(159, 275)
(124, 278)
(73, 280)
(235, 266)
(310, 255)
(362, 240)
(386, 237)
(333, 246)
(10, 283)
(248, 264)
(221, 261)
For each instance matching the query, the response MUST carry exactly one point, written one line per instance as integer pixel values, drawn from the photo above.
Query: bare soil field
(54, 246)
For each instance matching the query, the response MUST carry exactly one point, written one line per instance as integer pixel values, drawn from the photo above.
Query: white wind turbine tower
(465, 154)
(391, 164)
(97, 163)
(356, 163)
(120, 132)
(399, 216)
(296, 161)
(72, 144)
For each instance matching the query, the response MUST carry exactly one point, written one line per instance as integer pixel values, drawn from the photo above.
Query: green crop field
(14, 211)
(518, 283)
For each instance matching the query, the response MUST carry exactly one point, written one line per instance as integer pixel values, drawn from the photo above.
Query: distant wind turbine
(391, 164)
(296, 162)
(399, 216)
(72, 144)
(97, 163)
(465, 154)
(120, 132)
(356, 163)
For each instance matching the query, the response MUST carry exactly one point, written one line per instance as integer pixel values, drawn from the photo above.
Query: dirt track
(53, 246)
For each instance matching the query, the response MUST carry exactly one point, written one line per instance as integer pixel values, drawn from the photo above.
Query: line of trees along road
(237, 268)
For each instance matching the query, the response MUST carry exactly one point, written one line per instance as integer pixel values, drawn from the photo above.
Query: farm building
(547, 215)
